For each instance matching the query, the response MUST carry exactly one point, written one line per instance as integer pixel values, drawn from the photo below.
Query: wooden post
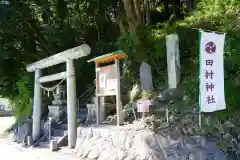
(102, 109)
(120, 116)
(143, 115)
(98, 119)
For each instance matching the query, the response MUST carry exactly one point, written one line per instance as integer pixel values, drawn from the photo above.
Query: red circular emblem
(210, 47)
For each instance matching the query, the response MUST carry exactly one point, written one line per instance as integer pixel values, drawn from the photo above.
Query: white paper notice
(102, 80)
(111, 84)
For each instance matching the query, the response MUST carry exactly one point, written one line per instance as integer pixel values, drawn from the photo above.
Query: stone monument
(59, 103)
(173, 60)
(146, 77)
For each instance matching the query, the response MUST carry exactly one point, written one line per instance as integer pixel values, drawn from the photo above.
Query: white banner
(211, 72)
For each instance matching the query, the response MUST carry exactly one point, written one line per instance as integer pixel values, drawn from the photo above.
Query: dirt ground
(13, 151)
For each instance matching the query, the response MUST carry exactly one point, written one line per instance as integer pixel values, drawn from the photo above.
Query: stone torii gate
(67, 57)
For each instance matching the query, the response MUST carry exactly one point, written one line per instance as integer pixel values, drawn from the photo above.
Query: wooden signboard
(107, 80)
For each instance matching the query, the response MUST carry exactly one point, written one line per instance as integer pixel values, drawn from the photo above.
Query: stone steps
(59, 133)
(43, 145)
(57, 138)
(60, 126)
(61, 141)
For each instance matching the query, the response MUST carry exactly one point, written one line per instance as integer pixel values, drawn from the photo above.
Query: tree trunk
(191, 5)
(147, 11)
(123, 28)
(131, 15)
(176, 8)
(165, 8)
(137, 7)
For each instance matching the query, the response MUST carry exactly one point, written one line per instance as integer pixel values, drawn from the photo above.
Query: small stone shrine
(59, 103)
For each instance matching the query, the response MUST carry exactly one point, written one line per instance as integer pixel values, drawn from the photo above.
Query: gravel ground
(13, 151)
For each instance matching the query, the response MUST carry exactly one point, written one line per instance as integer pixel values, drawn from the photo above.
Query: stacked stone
(133, 142)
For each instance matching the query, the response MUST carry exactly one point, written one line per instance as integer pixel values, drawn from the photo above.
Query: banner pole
(199, 101)
(167, 116)
(200, 119)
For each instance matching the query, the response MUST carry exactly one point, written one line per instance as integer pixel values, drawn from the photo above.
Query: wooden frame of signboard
(108, 81)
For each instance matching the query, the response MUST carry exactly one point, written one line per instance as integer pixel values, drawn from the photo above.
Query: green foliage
(151, 50)
(22, 104)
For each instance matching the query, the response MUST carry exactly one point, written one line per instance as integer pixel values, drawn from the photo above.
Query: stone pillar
(71, 104)
(37, 101)
(120, 116)
(173, 60)
(53, 145)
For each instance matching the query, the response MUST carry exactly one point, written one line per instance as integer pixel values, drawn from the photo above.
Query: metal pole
(200, 119)
(78, 106)
(37, 101)
(49, 129)
(71, 104)
(167, 116)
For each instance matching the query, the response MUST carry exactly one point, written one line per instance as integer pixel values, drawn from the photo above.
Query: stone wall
(132, 142)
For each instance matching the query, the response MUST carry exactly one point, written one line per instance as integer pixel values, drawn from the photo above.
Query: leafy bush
(22, 104)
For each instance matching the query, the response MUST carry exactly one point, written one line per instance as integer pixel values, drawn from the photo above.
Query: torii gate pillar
(37, 106)
(71, 104)
(67, 57)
